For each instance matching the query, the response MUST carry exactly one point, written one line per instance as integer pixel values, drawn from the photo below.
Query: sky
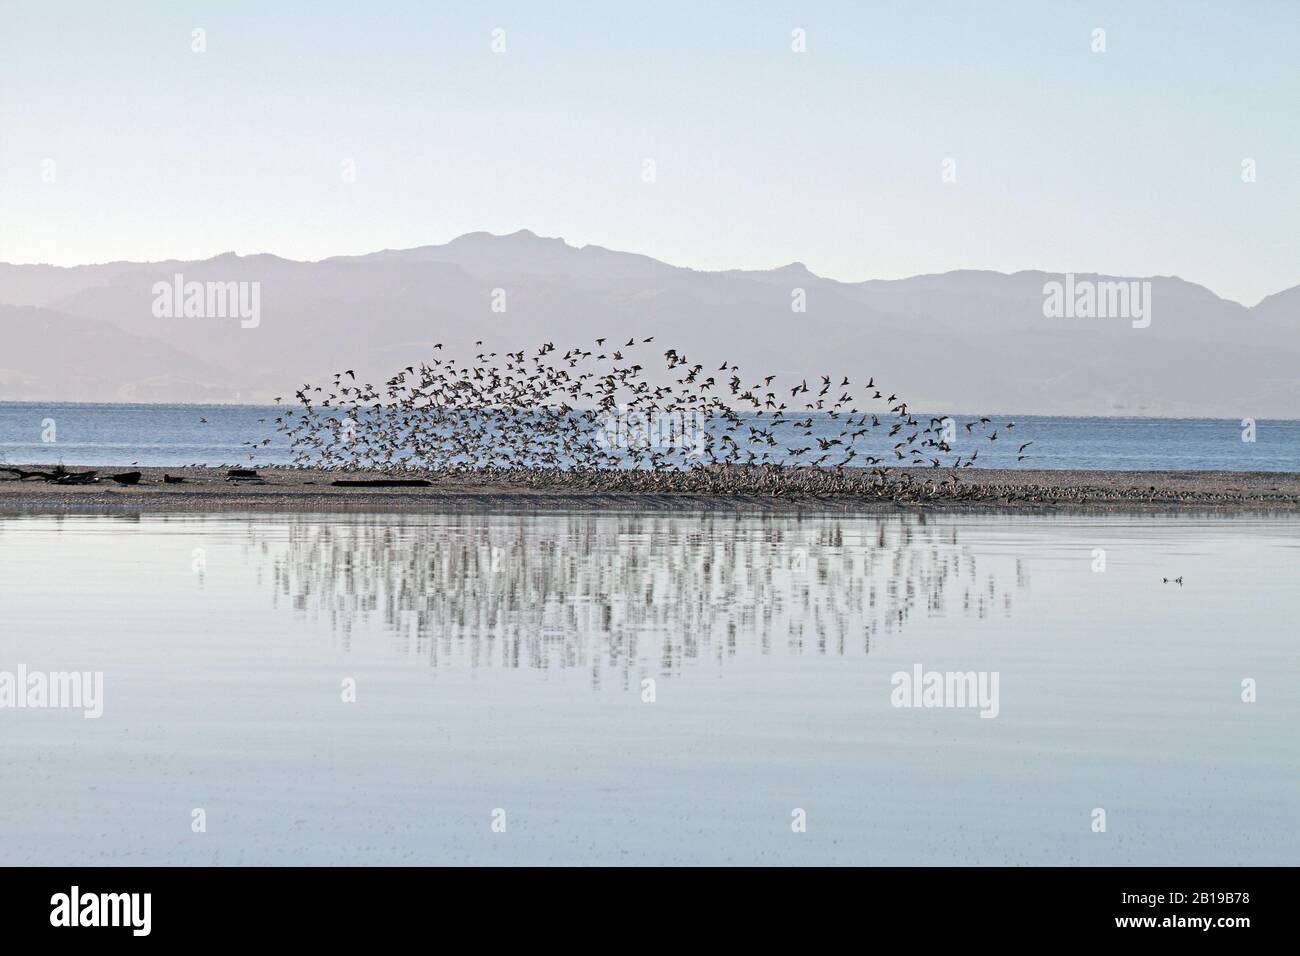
(316, 129)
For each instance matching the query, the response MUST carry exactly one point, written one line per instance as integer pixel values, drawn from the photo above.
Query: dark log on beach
(127, 478)
(80, 478)
(242, 474)
(382, 483)
(172, 479)
(43, 475)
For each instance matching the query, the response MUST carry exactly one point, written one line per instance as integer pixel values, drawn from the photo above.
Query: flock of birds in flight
(549, 417)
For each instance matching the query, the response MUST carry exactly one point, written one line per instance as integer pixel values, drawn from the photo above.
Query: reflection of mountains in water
(621, 592)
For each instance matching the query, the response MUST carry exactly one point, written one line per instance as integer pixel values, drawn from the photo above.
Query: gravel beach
(297, 490)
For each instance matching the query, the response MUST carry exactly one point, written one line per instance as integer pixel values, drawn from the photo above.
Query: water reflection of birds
(657, 423)
(622, 593)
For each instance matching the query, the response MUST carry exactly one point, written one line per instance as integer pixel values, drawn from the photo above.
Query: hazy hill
(52, 356)
(963, 341)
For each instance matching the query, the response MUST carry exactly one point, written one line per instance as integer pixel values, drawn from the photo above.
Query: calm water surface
(505, 661)
(175, 435)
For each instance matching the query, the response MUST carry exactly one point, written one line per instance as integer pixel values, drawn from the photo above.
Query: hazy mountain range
(962, 341)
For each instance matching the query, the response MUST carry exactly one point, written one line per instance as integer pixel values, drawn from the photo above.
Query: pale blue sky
(1124, 162)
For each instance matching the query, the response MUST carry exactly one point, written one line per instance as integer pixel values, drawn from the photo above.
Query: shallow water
(500, 664)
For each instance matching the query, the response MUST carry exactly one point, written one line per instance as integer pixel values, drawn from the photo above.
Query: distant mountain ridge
(959, 341)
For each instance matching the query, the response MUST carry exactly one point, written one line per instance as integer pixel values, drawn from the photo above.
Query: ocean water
(640, 688)
(175, 435)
